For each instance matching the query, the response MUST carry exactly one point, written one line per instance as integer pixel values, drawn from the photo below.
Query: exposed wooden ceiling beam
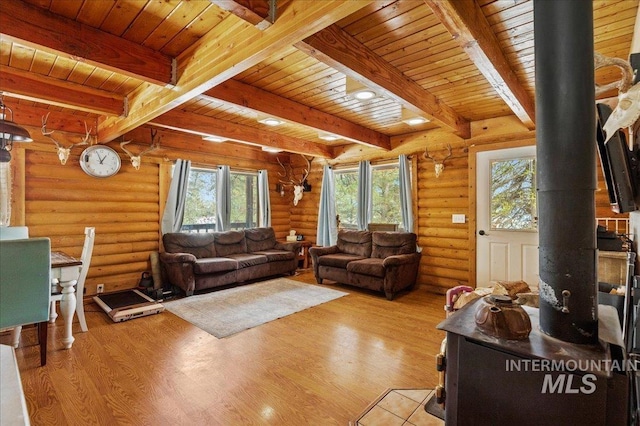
(230, 48)
(238, 93)
(186, 146)
(39, 88)
(260, 13)
(32, 116)
(336, 48)
(204, 125)
(469, 27)
(40, 29)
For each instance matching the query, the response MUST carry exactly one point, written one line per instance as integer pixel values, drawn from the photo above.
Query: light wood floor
(322, 366)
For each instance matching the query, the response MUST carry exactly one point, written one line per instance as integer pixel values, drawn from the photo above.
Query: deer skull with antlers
(439, 165)
(137, 159)
(627, 112)
(288, 179)
(64, 152)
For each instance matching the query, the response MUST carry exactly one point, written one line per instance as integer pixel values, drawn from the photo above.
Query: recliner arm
(400, 259)
(177, 258)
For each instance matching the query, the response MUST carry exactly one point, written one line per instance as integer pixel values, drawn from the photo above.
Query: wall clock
(100, 161)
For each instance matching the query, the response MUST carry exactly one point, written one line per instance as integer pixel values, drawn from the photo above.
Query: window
(385, 194)
(200, 205)
(346, 187)
(513, 195)
(244, 200)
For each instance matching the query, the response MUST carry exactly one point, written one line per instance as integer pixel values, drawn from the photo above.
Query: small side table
(304, 252)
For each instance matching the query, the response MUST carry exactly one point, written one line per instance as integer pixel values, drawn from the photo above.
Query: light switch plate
(458, 218)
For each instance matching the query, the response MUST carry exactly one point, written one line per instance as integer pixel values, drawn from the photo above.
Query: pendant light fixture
(10, 132)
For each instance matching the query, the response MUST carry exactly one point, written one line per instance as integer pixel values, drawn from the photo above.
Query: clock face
(100, 161)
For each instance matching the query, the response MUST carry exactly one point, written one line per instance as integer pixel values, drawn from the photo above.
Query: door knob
(481, 232)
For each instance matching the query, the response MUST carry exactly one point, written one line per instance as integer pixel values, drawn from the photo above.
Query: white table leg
(67, 308)
(52, 309)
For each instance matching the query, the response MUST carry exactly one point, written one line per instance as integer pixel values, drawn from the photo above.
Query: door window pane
(513, 195)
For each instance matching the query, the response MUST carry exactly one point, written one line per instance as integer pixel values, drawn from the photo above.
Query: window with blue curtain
(385, 195)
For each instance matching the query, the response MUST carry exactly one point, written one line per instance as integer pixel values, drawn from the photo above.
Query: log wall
(59, 201)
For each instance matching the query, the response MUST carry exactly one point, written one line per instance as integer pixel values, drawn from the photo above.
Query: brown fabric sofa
(380, 261)
(196, 262)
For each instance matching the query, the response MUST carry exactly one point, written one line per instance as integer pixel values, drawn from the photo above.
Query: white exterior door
(506, 216)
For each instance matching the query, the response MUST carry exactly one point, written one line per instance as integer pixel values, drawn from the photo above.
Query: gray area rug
(226, 312)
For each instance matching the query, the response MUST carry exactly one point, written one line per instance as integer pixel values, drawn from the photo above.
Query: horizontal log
(441, 262)
(425, 186)
(114, 188)
(436, 242)
(88, 196)
(448, 202)
(93, 218)
(84, 207)
(429, 252)
(462, 234)
(108, 270)
(113, 283)
(440, 222)
(441, 213)
(448, 193)
(120, 259)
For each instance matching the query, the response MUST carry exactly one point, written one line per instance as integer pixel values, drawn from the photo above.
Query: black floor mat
(433, 408)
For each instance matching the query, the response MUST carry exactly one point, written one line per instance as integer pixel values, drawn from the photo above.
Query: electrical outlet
(100, 288)
(458, 218)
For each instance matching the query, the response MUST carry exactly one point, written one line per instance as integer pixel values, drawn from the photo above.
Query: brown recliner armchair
(380, 261)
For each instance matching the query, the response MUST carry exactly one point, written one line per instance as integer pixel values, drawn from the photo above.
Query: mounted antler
(63, 153)
(137, 159)
(289, 179)
(627, 112)
(439, 165)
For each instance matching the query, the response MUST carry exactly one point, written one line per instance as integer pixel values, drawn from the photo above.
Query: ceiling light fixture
(212, 138)
(359, 91)
(271, 149)
(270, 121)
(412, 119)
(10, 132)
(328, 136)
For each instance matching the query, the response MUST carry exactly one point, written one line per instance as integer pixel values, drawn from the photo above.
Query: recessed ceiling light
(414, 121)
(411, 118)
(271, 149)
(364, 95)
(328, 136)
(270, 121)
(359, 91)
(216, 139)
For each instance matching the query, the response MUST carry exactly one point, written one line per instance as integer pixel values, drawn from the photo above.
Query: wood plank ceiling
(215, 67)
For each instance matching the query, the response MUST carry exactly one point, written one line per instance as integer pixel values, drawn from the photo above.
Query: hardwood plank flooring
(321, 366)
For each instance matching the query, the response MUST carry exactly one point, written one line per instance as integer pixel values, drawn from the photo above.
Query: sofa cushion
(199, 245)
(355, 242)
(337, 260)
(214, 265)
(248, 259)
(230, 242)
(259, 239)
(276, 255)
(386, 244)
(371, 266)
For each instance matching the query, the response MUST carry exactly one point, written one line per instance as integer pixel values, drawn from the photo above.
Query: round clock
(100, 161)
